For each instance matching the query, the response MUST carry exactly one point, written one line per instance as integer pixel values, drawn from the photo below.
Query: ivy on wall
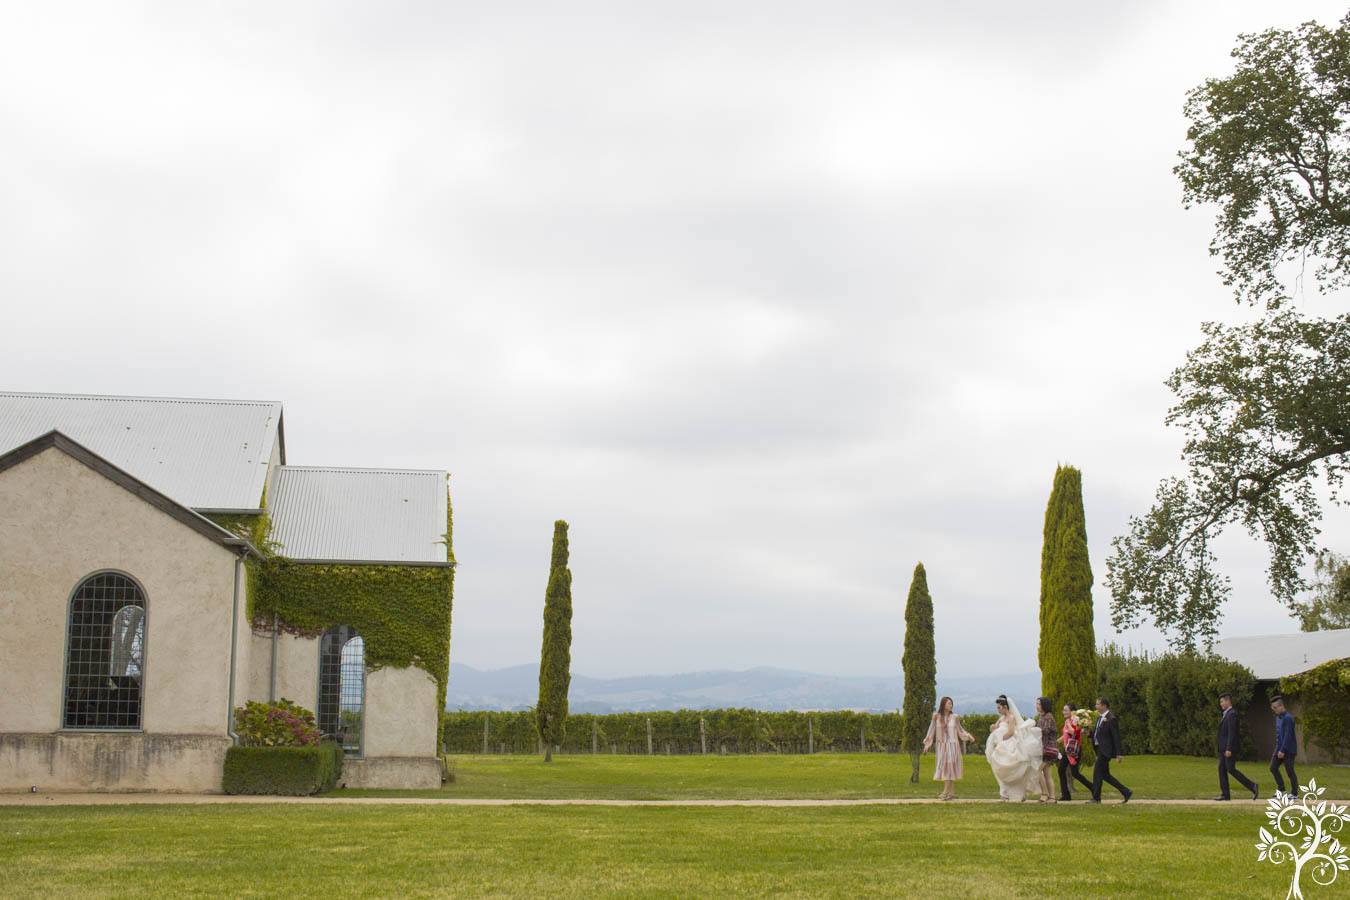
(401, 612)
(1323, 694)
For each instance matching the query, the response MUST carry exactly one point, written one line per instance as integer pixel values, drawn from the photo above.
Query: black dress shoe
(1065, 799)
(1094, 800)
(1128, 795)
(1256, 792)
(1223, 798)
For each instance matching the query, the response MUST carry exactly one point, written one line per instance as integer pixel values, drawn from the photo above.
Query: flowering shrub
(280, 724)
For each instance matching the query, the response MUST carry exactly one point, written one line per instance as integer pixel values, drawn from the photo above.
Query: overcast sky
(770, 301)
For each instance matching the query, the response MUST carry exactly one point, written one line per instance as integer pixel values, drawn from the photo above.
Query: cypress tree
(1068, 653)
(555, 659)
(920, 668)
(1054, 515)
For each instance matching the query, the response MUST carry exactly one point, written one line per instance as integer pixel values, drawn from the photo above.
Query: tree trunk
(548, 754)
(914, 777)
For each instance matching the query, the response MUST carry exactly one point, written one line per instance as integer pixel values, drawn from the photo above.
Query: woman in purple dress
(946, 733)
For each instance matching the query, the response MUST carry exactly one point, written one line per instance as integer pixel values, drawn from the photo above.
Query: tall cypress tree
(1054, 515)
(920, 668)
(555, 659)
(1068, 650)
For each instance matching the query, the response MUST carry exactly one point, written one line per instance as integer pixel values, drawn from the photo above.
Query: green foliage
(1264, 405)
(555, 662)
(1270, 146)
(1323, 695)
(737, 731)
(920, 667)
(1122, 678)
(279, 724)
(287, 771)
(1183, 702)
(401, 612)
(1068, 653)
(1329, 606)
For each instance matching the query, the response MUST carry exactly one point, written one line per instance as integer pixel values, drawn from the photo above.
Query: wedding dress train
(1015, 759)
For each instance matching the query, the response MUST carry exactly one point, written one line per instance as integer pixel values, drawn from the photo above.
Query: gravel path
(44, 799)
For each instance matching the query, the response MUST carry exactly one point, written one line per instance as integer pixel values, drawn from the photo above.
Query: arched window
(342, 687)
(105, 654)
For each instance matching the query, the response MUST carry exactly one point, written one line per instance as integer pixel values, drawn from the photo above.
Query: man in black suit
(1228, 750)
(1106, 741)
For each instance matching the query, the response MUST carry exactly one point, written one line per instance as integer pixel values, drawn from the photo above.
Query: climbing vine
(1323, 694)
(401, 612)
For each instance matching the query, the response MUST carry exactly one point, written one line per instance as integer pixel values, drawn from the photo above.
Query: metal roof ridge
(134, 397)
(358, 470)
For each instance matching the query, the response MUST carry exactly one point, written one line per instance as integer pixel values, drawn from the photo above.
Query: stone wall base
(112, 761)
(392, 772)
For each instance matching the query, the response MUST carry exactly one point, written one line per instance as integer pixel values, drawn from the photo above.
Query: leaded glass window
(342, 687)
(105, 654)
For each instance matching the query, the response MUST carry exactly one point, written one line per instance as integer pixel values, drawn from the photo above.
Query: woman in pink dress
(946, 733)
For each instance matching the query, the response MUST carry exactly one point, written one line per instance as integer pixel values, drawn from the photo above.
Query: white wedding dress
(1015, 759)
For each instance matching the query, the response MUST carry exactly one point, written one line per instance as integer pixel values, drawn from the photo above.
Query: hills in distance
(765, 688)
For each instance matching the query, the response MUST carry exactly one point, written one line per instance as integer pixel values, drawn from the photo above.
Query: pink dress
(946, 738)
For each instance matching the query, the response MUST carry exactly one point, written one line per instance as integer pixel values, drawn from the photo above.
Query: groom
(1106, 741)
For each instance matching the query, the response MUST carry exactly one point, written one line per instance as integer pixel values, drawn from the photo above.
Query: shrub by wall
(284, 771)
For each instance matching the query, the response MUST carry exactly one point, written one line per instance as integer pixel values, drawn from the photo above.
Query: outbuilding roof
(1275, 656)
(209, 455)
(360, 515)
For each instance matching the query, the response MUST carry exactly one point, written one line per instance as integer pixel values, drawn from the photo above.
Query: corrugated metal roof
(366, 515)
(1277, 655)
(204, 454)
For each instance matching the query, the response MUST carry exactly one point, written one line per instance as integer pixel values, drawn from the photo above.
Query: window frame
(66, 648)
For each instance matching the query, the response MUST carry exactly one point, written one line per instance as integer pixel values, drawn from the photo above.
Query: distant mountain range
(764, 688)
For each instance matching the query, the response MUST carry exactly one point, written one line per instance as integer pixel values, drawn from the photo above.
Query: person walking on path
(1045, 721)
(1106, 741)
(1286, 746)
(1228, 750)
(1072, 739)
(946, 731)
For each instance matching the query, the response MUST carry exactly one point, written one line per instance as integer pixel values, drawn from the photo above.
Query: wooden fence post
(649, 735)
(485, 732)
(595, 736)
(810, 735)
(703, 735)
(862, 738)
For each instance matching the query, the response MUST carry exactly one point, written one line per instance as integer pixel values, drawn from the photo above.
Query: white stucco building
(127, 641)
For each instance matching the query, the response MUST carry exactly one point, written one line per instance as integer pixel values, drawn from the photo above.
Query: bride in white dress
(1013, 751)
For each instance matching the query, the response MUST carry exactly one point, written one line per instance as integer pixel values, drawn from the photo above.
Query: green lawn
(823, 775)
(340, 850)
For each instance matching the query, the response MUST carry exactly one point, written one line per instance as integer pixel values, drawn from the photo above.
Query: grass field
(823, 775)
(935, 850)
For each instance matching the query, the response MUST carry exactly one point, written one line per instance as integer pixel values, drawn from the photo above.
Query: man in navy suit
(1286, 746)
(1228, 750)
(1106, 741)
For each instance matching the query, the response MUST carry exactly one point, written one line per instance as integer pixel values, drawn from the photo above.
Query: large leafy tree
(920, 668)
(555, 660)
(1329, 605)
(1068, 653)
(1265, 405)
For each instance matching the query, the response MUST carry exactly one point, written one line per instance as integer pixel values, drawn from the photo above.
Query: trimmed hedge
(286, 771)
(1169, 704)
(677, 731)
